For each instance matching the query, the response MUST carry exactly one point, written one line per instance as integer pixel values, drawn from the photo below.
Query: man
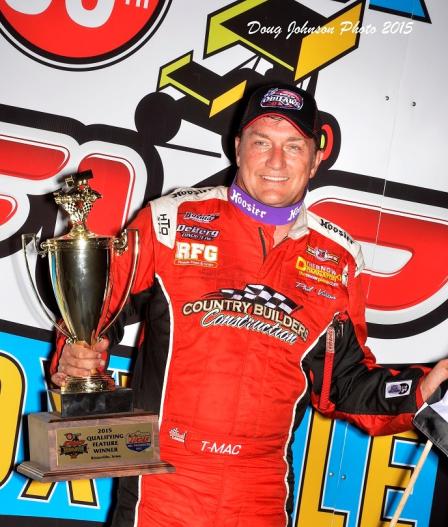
(253, 309)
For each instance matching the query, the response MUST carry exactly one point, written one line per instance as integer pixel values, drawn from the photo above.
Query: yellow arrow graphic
(320, 48)
(220, 37)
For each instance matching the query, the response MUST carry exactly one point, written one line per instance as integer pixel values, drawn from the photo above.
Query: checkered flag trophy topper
(78, 200)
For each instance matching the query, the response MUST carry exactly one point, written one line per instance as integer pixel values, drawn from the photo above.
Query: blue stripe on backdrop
(409, 7)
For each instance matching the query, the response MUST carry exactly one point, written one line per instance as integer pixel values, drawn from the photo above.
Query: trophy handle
(26, 238)
(120, 245)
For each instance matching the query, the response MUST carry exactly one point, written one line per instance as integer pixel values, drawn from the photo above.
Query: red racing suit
(239, 337)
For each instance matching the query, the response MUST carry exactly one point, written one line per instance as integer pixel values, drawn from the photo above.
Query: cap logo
(283, 99)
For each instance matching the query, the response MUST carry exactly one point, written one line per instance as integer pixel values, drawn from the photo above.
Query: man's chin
(275, 201)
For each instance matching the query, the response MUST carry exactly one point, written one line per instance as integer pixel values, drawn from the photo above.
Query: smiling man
(253, 309)
(277, 153)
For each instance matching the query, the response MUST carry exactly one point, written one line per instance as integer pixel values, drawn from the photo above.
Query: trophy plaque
(93, 430)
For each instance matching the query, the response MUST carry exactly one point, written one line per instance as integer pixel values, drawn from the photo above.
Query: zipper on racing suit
(263, 243)
(335, 331)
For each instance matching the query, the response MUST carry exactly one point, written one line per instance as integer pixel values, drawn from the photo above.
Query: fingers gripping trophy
(93, 430)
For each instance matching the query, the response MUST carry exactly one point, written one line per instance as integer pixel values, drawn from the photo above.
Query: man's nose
(276, 158)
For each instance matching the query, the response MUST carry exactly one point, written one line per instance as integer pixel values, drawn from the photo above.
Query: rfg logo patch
(398, 389)
(87, 34)
(196, 254)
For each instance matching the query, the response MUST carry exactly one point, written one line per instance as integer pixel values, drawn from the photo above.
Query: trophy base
(81, 404)
(64, 449)
(34, 471)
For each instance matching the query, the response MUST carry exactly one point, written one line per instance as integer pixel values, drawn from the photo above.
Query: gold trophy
(93, 430)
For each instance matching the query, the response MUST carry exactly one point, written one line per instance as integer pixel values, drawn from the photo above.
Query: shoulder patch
(164, 209)
(338, 235)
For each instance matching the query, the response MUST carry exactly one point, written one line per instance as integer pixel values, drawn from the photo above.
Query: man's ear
(317, 160)
(237, 150)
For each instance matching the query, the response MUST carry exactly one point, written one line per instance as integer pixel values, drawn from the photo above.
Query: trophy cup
(93, 430)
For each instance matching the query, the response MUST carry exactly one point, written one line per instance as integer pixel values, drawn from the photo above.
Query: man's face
(275, 161)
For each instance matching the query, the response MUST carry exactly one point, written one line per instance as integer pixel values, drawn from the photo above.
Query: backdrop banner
(146, 93)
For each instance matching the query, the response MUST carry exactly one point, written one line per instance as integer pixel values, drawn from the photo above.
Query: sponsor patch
(138, 441)
(176, 435)
(200, 218)
(197, 233)
(333, 228)
(249, 206)
(319, 273)
(163, 223)
(281, 98)
(257, 307)
(322, 254)
(188, 192)
(398, 389)
(192, 253)
(294, 212)
(73, 446)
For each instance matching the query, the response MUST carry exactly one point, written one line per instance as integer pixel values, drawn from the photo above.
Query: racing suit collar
(260, 211)
(300, 226)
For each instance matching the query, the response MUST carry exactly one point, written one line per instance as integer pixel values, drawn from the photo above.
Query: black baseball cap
(287, 101)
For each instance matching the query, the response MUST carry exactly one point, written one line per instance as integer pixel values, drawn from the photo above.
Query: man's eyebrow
(266, 136)
(259, 134)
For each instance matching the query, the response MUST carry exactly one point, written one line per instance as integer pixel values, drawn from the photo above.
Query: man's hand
(81, 360)
(434, 378)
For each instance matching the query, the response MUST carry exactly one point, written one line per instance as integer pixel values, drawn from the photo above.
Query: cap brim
(300, 128)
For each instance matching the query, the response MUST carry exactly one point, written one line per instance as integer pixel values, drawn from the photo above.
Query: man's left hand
(434, 378)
